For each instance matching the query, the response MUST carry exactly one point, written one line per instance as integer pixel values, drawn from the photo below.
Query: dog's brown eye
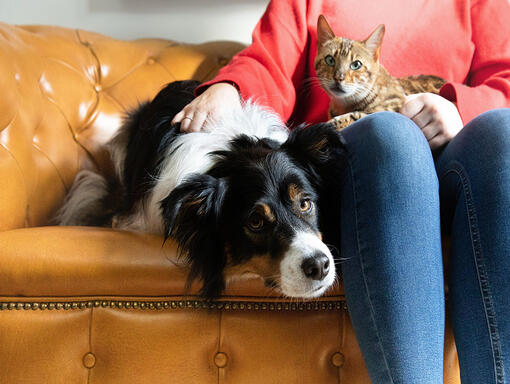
(305, 205)
(255, 223)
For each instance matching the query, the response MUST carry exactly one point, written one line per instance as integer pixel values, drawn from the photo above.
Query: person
(397, 197)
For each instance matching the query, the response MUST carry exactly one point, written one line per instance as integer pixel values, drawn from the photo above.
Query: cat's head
(347, 69)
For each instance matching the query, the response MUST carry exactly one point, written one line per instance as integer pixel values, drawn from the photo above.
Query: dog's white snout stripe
(294, 282)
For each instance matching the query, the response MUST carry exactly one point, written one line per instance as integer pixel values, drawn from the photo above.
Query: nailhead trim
(176, 304)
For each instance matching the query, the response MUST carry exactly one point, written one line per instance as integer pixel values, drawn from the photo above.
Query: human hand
(438, 118)
(210, 105)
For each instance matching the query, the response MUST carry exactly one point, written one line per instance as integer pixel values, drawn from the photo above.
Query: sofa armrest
(88, 261)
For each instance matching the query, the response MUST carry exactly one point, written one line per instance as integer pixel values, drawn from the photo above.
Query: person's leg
(474, 174)
(393, 275)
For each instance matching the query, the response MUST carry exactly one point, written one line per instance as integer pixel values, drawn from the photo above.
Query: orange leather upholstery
(95, 305)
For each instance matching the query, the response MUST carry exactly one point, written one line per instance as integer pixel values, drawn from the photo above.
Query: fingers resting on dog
(208, 106)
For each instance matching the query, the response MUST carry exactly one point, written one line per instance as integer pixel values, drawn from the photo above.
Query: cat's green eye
(355, 65)
(330, 60)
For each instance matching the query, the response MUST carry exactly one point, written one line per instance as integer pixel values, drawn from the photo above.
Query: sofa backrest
(64, 92)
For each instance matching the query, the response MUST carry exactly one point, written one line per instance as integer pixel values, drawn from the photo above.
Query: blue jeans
(395, 202)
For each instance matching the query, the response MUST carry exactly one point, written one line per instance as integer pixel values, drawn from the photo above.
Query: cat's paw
(342, 121)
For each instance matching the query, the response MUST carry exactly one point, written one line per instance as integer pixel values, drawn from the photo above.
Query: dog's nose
(316, 267)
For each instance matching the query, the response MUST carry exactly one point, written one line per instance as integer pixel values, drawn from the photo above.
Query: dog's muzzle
(307, 268)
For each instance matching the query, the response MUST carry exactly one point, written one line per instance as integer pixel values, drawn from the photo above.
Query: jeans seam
(358, 242)
(483, 281)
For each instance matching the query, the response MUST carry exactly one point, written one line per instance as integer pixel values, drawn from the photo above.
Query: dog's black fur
(215, 216)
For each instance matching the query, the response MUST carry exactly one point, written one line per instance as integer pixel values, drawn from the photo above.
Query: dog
(242, 199)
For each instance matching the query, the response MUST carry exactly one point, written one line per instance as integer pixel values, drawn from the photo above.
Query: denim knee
(487, 137)
(391, 140)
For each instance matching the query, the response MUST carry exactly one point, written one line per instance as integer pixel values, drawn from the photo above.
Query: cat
(349, 71)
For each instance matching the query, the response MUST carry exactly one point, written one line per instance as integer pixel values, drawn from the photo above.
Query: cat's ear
(324, 31)
(374, 41)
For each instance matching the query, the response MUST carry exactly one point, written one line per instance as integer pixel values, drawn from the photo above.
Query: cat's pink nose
(340, 76)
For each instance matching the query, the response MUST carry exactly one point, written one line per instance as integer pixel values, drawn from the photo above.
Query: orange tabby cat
(349, 71)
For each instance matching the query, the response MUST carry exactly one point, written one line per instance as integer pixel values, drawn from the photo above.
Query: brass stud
(96, 303)
(67, 306)
(220, 359)
(173, 304)
(35, 306)
(89, 360)
(51, 306)
(27, 306)
(44, 305)
(337, 359)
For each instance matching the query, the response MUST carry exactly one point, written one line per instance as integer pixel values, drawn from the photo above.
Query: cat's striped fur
(350, 72)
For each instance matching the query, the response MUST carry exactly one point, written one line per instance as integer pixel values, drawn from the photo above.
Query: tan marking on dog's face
(294, 192)
(266, 211)
(262, 265)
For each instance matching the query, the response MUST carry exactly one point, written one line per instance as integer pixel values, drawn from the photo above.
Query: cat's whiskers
(309, 84)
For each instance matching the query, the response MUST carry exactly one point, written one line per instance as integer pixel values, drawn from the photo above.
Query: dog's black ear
(321, 152)
(318, 149)
(192, 216)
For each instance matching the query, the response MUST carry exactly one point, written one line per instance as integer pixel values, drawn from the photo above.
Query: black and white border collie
(240, 199)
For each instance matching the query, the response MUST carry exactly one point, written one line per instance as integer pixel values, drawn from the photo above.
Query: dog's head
(254, 212)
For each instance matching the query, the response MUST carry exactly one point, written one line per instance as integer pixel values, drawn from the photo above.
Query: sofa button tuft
(89, 360)
(220, 359)
(337, 359)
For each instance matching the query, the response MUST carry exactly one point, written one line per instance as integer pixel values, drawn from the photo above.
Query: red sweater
(466, 42)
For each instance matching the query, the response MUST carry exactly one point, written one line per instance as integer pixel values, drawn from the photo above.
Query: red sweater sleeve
(488, 84)
(269, 70)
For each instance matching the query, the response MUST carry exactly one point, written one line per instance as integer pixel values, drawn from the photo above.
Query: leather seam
(174, 304)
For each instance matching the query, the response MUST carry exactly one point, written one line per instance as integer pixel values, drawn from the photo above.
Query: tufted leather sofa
(95, 305)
